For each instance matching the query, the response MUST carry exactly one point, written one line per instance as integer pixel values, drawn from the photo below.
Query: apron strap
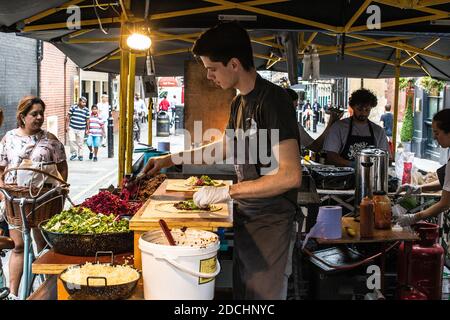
(371, 131)
(349, 134)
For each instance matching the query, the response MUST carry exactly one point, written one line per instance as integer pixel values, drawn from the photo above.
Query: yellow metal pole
(130, 112)
(397, 79)
(124, 64)
(150, 122)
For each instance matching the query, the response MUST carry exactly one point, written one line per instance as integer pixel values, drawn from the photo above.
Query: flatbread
(169, 207)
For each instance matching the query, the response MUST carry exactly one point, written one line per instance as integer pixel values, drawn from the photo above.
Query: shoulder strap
(350, 129)
(37, 142)
(371, 131)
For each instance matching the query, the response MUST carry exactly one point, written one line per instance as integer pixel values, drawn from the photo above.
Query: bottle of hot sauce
(366, 218)
(383, 211)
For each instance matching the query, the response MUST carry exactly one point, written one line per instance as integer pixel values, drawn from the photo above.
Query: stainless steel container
(371, 173)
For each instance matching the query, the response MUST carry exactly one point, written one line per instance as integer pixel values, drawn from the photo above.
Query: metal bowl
(86, 245)
(105, 292)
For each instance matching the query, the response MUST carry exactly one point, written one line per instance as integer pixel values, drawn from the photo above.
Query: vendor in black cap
(441, 132)
(350, 135)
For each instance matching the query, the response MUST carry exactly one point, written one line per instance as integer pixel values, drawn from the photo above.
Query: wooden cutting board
(179, 185)
(153, 211)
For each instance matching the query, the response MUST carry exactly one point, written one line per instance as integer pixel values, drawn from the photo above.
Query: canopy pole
(150, 122)
(396, 93)
(130, 114)
(124, 64)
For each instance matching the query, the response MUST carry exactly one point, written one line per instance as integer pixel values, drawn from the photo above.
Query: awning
(330, 25)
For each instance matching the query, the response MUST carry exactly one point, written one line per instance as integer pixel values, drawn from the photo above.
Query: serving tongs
(132, 182)
(167, 232)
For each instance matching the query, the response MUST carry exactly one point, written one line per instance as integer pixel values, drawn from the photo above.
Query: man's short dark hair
(292, 94)
(387, 107)
(442, 119)
(223, 42)
(362, 97)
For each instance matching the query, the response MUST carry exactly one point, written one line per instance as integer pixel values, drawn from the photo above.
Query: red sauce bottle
(366, 218)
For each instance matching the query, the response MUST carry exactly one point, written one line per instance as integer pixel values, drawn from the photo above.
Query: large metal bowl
(105, 292)
(86, 245)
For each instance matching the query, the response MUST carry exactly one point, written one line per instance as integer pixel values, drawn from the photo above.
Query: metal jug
(371, 173)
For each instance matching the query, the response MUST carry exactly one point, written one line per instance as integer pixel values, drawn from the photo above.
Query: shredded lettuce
(84, 221)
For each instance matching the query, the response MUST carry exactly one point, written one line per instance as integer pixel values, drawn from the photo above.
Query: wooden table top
(55, 263)
(379, 235)
(139, 224)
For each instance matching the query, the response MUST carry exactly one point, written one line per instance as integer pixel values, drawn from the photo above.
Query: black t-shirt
(267, 106)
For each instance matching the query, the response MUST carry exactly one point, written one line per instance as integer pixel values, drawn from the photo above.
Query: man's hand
(209, 195)
(155, 164)
(409, 189)
(408, 219)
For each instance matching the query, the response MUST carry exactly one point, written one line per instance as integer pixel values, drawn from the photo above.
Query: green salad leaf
(84, 221)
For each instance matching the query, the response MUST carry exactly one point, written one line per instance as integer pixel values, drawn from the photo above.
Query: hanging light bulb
(139, 42)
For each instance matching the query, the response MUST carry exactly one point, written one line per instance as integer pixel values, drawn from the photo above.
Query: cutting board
(179, 185)
(151, 212)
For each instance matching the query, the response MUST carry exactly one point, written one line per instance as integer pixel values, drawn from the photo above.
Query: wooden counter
(379, 235)
(140, 225)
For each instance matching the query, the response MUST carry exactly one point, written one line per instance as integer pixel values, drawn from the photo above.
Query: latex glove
(409, 189)
(408, 219)
(209, 195)
(398, 211)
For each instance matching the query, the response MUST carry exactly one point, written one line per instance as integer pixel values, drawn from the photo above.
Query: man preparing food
(266, 203)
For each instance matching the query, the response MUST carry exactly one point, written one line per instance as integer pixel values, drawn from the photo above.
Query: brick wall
(52, 86)
(18, 75)
(401, 98)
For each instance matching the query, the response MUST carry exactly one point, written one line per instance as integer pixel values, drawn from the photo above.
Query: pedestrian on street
(103, 110)
(139, 106)
(136, 127)
(95, 131)
(316, 114)
(76, 123)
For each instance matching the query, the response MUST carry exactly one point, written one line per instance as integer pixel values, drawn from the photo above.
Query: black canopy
(405, 24)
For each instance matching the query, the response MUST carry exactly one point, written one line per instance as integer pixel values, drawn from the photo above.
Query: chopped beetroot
(107, 203)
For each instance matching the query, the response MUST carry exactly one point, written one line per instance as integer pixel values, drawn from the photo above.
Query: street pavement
(87, 177)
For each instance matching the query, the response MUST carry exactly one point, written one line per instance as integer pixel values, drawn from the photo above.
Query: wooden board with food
(194, 183)
(183, 209)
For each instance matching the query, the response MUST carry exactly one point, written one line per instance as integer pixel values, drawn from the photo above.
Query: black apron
(354, 144)
(262, 234)
(441, 175)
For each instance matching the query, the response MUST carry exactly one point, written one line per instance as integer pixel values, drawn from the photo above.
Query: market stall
(405, 36)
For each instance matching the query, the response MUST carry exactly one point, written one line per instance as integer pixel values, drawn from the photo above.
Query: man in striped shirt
(76, 122)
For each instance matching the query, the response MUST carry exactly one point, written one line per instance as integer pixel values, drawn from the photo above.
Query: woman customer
(28, 141)
(441, 132)
(95, 130)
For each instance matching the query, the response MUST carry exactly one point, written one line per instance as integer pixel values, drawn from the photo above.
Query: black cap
(379, 193)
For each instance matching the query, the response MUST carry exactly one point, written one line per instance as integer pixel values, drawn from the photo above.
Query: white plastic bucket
(179, 272)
